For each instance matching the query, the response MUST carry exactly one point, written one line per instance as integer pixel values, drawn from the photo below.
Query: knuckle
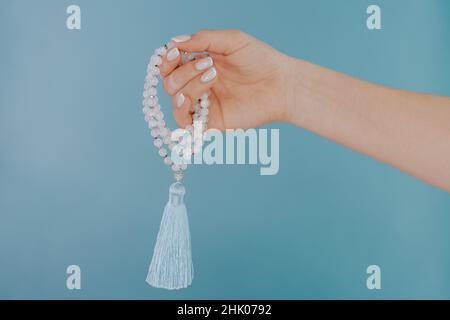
(163, 70)
(238, 34)
(203, 32)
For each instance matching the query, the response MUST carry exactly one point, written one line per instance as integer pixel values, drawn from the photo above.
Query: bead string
(154, 116)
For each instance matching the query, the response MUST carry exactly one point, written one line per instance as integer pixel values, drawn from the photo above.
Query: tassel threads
(171, 266)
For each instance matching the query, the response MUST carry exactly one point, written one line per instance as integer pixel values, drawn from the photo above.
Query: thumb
(223, 42)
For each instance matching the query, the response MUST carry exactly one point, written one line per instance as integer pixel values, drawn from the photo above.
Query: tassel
(171, 266)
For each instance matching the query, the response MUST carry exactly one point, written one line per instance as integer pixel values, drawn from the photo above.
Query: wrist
(309, 88)
(296, 80)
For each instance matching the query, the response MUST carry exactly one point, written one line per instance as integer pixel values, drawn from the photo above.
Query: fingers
(181, 110)
(183, 102)
(183, 74)
(215, 41)
(170, 61)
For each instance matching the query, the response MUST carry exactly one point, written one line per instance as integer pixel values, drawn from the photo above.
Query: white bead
(153, 123)
(168, 161)
(204, 112)
(178, 176)
(152, 102)
(152, 91)
(152, 112)
(164, 132)
(161, 51)
(175, 167)
(162, 124)
(166, 139)
(204, 103)
(147, 118)
(150, 78)
(158, 143)
(154, 132)
(155, 60)
(154, 70)
(154, 81)
(145, 110)
(162, 152)
(183, 166)
(159, 115)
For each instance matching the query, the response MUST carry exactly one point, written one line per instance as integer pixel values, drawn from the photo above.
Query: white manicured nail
(180, 100)
(204, 64)
(173, 54)
(181, 38)
(209, 75)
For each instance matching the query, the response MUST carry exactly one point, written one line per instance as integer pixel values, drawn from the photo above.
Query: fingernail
(181, 38)
(173, 54)
(180, 100)
(209, 75)
(204, 63)
(170, 45)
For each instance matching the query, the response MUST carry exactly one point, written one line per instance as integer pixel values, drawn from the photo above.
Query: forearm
(410, 131)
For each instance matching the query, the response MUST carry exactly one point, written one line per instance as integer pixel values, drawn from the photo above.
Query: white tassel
(171, 266)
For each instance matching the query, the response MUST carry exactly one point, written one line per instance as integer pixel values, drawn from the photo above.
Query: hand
(247, 79)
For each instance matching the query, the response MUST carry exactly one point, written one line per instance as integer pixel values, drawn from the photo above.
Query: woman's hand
(255, 84)
(246, 77)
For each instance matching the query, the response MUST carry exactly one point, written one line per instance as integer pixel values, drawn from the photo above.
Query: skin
(256, 84)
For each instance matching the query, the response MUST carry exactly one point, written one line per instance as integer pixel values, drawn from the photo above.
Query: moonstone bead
(159, 115)
(175, 167)
(204, 103)
(178, 175)
(158, 143)
(154, 132)
(162, 123)
(162, 152)
(168, 161)
(153, 123)
(153, 81)
(152, 101)
(155, 60)
(166, 139)
(151, 91)
(164, 132)
(161, 51)
(150, 78)
(154, 70)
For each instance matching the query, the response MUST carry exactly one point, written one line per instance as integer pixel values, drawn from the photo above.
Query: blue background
(81, 183)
